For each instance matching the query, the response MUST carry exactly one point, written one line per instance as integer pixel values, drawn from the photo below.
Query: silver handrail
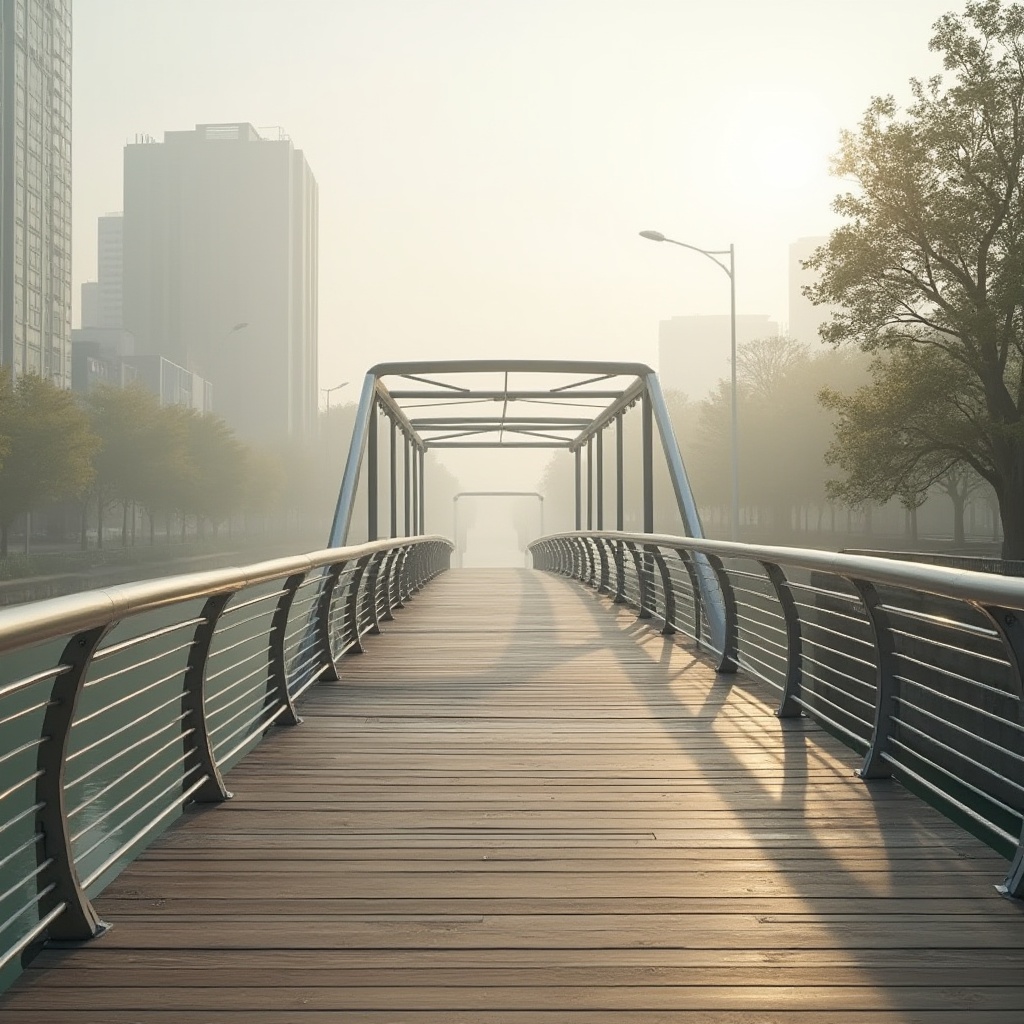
(917, 667)
(183, 686)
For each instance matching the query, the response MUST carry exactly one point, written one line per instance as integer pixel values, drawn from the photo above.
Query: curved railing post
(58, 882)
(386, 580)
(875, 764)
(691, 571)
(213, 789)
(641, 578)
(372, 578)
(788, 705)
(668, 627)
(620, 572)
(591, 562)
(602, 552)
(323, 622)
(729, 655)
(352, 604)
(277, 669)
(1010, 627)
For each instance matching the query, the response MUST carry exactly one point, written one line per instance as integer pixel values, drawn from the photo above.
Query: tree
(49, 448)
(930, 258)
(133, 444)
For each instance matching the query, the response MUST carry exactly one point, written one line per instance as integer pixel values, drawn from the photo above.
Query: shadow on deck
(522, 806)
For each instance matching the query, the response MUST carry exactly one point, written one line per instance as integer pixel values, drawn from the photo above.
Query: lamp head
(654, 236)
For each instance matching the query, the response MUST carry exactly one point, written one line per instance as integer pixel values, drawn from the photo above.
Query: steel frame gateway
(575, 402)
(561, 397)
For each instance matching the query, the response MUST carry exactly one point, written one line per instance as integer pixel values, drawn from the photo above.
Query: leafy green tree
(215, 482)
(931, 255)
(133, 444)
(49, 448)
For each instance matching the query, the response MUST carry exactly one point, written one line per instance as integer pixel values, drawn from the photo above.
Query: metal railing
(917, 667)
(120, 706)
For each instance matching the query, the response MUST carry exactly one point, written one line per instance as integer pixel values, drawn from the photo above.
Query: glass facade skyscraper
(35, 187)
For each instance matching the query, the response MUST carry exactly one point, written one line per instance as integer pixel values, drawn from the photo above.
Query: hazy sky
(485, 165)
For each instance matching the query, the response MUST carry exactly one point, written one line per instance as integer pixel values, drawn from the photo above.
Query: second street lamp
(730, 270)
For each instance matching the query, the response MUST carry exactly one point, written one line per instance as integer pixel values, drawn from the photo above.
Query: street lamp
(327, 416)
(327, 392)
(730, 270)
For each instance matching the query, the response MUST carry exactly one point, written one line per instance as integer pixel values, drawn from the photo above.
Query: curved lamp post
(730, 270)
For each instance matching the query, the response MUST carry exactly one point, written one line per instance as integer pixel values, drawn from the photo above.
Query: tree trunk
(99, 518)
(1011, 512)
(959, 506)
(3, 540)
(124, 523)
(84, 536)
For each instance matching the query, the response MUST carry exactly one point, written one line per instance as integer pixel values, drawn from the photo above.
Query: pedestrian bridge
(651, 779)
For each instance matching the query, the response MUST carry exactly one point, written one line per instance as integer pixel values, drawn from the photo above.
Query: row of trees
(118, 448)
(117, 454)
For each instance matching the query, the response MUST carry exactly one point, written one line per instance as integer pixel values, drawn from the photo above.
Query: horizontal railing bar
(27, 711)
(247, 727)
(941, 621)
(125, 801)
(134, 695)
(975, 684)
(965, 758)
(962, 808)
(260, 686)
(815, 713)
(222, 630)
(30, 745)
(28, 811)
(818, 695)
(107, 737)
(18, 685)
(952, 648)
(142, 638)
(35, 931)
(34, 873)
(973, 709)
(963, 732)
(145, 830)
(36, 839)
(213, 676)
(175, 740)
(947, 796)
(235, 607)
(863, 683)
(136, 665)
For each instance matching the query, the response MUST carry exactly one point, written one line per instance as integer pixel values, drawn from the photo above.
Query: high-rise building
(102, 299)
(220, 269)
(804, 317)
(35, 187)
(694, 351)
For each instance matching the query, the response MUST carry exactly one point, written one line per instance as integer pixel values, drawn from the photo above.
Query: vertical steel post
(407, 492)
(371, 476)
(648, 462)
(579, 509)
(735, 418)
(415, 491)
(590, 483)
(618, 473)
(423, 491)
(600, 479)
(393, 488)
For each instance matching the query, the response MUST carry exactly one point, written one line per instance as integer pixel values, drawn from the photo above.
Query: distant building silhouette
(35, 187)
(103, 352)
(804, 317)
(694, 351)
(220, 269)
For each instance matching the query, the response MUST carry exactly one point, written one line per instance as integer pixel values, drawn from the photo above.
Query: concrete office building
(35, 187)
(694, 351)
(220, 269)
(102, 298)
(804, 317)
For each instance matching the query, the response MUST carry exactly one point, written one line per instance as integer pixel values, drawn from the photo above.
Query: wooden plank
(520, 806)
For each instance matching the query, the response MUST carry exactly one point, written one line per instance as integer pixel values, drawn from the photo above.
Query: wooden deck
(520, 806)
